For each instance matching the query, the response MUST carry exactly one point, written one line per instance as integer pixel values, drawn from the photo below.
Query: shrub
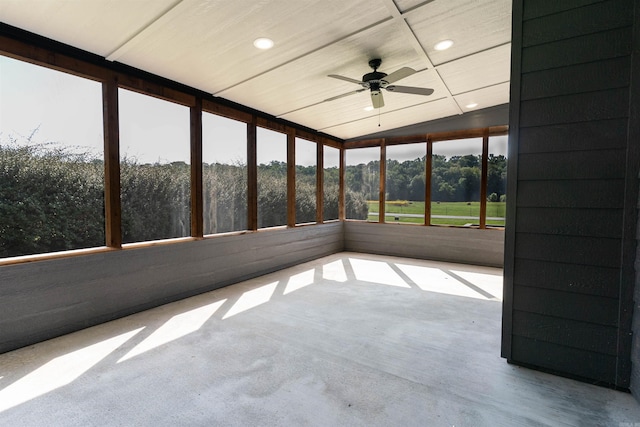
(50, 200)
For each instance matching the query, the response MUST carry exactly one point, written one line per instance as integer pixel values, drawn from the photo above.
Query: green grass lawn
(494, 209)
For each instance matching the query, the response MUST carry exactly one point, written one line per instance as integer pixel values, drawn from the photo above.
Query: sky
(38, 98)
(154, 130)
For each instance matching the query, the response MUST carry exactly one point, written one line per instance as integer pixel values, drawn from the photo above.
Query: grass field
(463, 209)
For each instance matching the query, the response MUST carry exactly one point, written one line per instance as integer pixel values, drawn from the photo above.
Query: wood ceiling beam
(411, 38)
(27, 52)
(408, 32)
(147, 30)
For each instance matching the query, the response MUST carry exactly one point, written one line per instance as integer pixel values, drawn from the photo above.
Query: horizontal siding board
(421, 237)
(201, 273)
(596, 251)
(538, 8)
(590, 77)
(566, 332)
(600, 164)
(636, 293)
(420, 233)
(256, 261)
(566, 305)
(635, 382)
(484, 247)
(574, 278)
(238, 244)
(565, 360)
(574, 137)
(41, 300)
(570, 222)
(635, 326)
(596, 194)
(585, 20)
(582, 107)
(578, 50)
(451, 253)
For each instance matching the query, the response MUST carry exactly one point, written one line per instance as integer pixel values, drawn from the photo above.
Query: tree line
(53, 200)
(453, 179)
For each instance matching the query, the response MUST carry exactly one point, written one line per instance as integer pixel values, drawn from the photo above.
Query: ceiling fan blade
(343, 95)
(409, 89)
(376, 99)
(399, 74)
(346, 79)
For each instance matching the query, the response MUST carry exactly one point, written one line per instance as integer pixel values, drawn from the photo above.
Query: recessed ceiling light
(443, 45)
(263, 43)
(472, 105)
(369, 108)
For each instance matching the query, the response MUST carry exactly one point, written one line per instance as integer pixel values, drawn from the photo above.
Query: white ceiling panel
(483, 69)
(486, 97)
(97, 26)
(473, 26)
(209, 44)
(305, 82)
(395, 119)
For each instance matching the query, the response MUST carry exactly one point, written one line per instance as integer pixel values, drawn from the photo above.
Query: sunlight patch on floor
(60, 371)
(299, 281)
(251, 299)
(490, 283)
(376, 272)
(334, 271)
(435, 280)
(177, 327)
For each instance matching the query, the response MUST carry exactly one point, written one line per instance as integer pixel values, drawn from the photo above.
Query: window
(224, 174)
(272, 178)
(154, 168)
(455, 182)
(497, 180)
(51, 161)
(405, 183)
(362, 182)
(331, 183)
(306, 170)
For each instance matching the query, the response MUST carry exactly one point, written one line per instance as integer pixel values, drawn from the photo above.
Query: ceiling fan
(377, 80)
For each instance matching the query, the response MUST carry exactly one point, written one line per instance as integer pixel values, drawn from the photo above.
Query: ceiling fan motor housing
(374, 80)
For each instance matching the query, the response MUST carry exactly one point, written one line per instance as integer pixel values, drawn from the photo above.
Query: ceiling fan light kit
(377, 80)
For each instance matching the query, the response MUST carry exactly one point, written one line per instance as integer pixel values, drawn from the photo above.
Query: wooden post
(383, 182)
(427, 182)
(483, 180)
(252, 176)
(291, 178)
(319, 183)
(197, 223)
(341, 207)
(112, 206)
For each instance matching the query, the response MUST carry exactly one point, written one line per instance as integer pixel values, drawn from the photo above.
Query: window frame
(431, 138)
(112, 76)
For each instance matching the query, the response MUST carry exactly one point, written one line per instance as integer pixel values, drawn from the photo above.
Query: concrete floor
(346, 340)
